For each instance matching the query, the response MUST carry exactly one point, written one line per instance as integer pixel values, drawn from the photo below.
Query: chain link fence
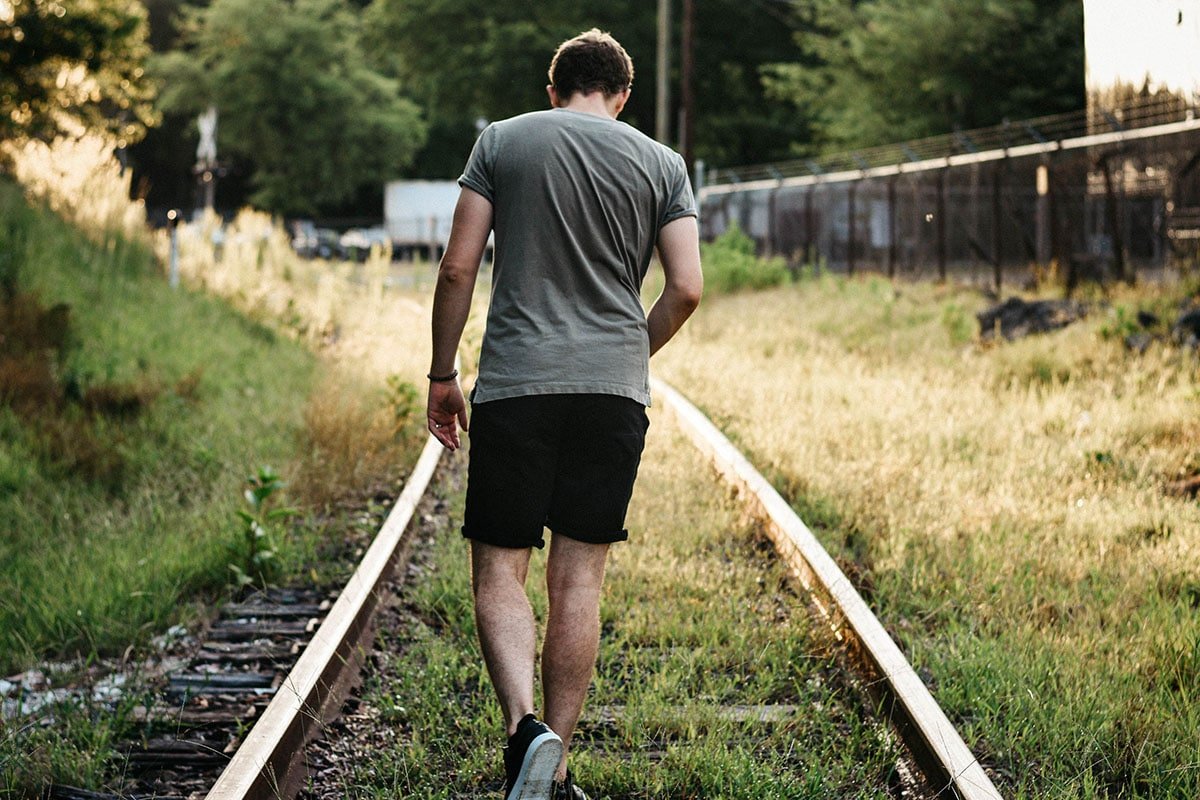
(1102, 197)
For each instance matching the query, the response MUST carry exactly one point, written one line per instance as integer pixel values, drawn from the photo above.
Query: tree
(878, 71)
(70, 64)
(467, 60)
(296, 99)
(736, 121)
(471, 59)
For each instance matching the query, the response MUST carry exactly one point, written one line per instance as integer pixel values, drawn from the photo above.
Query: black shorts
(566, 462)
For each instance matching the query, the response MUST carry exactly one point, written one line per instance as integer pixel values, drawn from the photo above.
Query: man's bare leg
(504, 620)
(574, 576)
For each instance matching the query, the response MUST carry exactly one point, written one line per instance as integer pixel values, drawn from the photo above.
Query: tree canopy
(878, 71)
(70, 64)
(296, 97)
(319, 99)
(470, 59)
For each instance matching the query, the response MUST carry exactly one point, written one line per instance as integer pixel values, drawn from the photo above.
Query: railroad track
(269, 761)
(949, 766)
(282, 659)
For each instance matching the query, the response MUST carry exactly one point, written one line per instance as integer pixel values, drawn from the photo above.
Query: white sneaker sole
(535, 781)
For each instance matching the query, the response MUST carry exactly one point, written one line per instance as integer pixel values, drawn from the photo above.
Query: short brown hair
(592, 61)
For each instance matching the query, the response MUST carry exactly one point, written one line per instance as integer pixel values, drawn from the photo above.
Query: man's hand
(446, 410)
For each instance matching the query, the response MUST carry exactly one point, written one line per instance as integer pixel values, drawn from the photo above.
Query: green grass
(1003, 507)
(127, 428)
(697, 617)
(115, 521)
(130, 418)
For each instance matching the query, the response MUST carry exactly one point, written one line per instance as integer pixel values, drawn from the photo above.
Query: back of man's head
(590, 62)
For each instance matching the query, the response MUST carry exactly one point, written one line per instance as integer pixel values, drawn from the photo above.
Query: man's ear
(622, 99)
(552, 94)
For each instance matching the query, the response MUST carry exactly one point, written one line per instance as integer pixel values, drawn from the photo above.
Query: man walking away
(578, 202)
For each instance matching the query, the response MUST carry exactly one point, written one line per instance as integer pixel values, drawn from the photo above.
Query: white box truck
(417, 216)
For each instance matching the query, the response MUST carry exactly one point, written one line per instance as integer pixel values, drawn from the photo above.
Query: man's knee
(493, 566)
(575, 570)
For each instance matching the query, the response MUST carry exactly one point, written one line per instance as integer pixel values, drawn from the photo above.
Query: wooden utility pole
(662, 97)
(686, 69)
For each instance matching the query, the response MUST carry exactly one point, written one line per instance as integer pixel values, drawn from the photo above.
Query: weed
(403, 399)
(260, 529)
(1120, 323)
(958, 322)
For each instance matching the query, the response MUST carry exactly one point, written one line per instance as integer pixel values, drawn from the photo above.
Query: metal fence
(1094, 196)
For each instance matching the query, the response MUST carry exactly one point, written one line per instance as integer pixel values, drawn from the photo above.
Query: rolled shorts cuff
(592, 537)
(499, 540)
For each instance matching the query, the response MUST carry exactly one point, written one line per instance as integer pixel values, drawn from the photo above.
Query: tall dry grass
(372, 337)
(1004, 508)
(357, 438)
(347, 311)
(78, 178)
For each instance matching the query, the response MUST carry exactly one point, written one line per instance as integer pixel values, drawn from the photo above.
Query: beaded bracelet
(442, 378)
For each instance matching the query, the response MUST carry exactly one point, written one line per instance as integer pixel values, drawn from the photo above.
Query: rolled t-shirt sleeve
(478, 174)
(680, 202)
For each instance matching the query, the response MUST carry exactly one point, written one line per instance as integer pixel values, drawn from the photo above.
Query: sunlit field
(353, 313)
(1003, 508)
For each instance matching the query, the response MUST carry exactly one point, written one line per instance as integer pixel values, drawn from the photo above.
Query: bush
(731, 265)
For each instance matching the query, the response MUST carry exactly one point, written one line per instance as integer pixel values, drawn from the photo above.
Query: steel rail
(269, 762)
(939, 750)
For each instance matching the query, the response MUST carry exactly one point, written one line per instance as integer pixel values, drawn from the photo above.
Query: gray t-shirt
(578, 201)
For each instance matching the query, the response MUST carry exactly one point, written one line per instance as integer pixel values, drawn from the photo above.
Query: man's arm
(447, 408)
(679, 251)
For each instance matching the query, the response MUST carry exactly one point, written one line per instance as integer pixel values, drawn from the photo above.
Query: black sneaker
(568, 790)
(530, 761)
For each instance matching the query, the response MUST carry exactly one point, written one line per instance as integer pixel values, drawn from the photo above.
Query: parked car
(309, 241)
(356, 243)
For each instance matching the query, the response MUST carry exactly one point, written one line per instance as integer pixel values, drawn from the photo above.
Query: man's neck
(594, 103)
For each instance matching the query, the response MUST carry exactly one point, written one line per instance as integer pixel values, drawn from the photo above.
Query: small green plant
(1121, 322)
(958, 322)
(258, 529)
(402, 399)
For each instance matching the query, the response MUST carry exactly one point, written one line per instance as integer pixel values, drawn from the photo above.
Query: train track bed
(202, 693)
(714, 678)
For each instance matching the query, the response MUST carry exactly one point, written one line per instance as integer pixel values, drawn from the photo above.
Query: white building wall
(1142, 44)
